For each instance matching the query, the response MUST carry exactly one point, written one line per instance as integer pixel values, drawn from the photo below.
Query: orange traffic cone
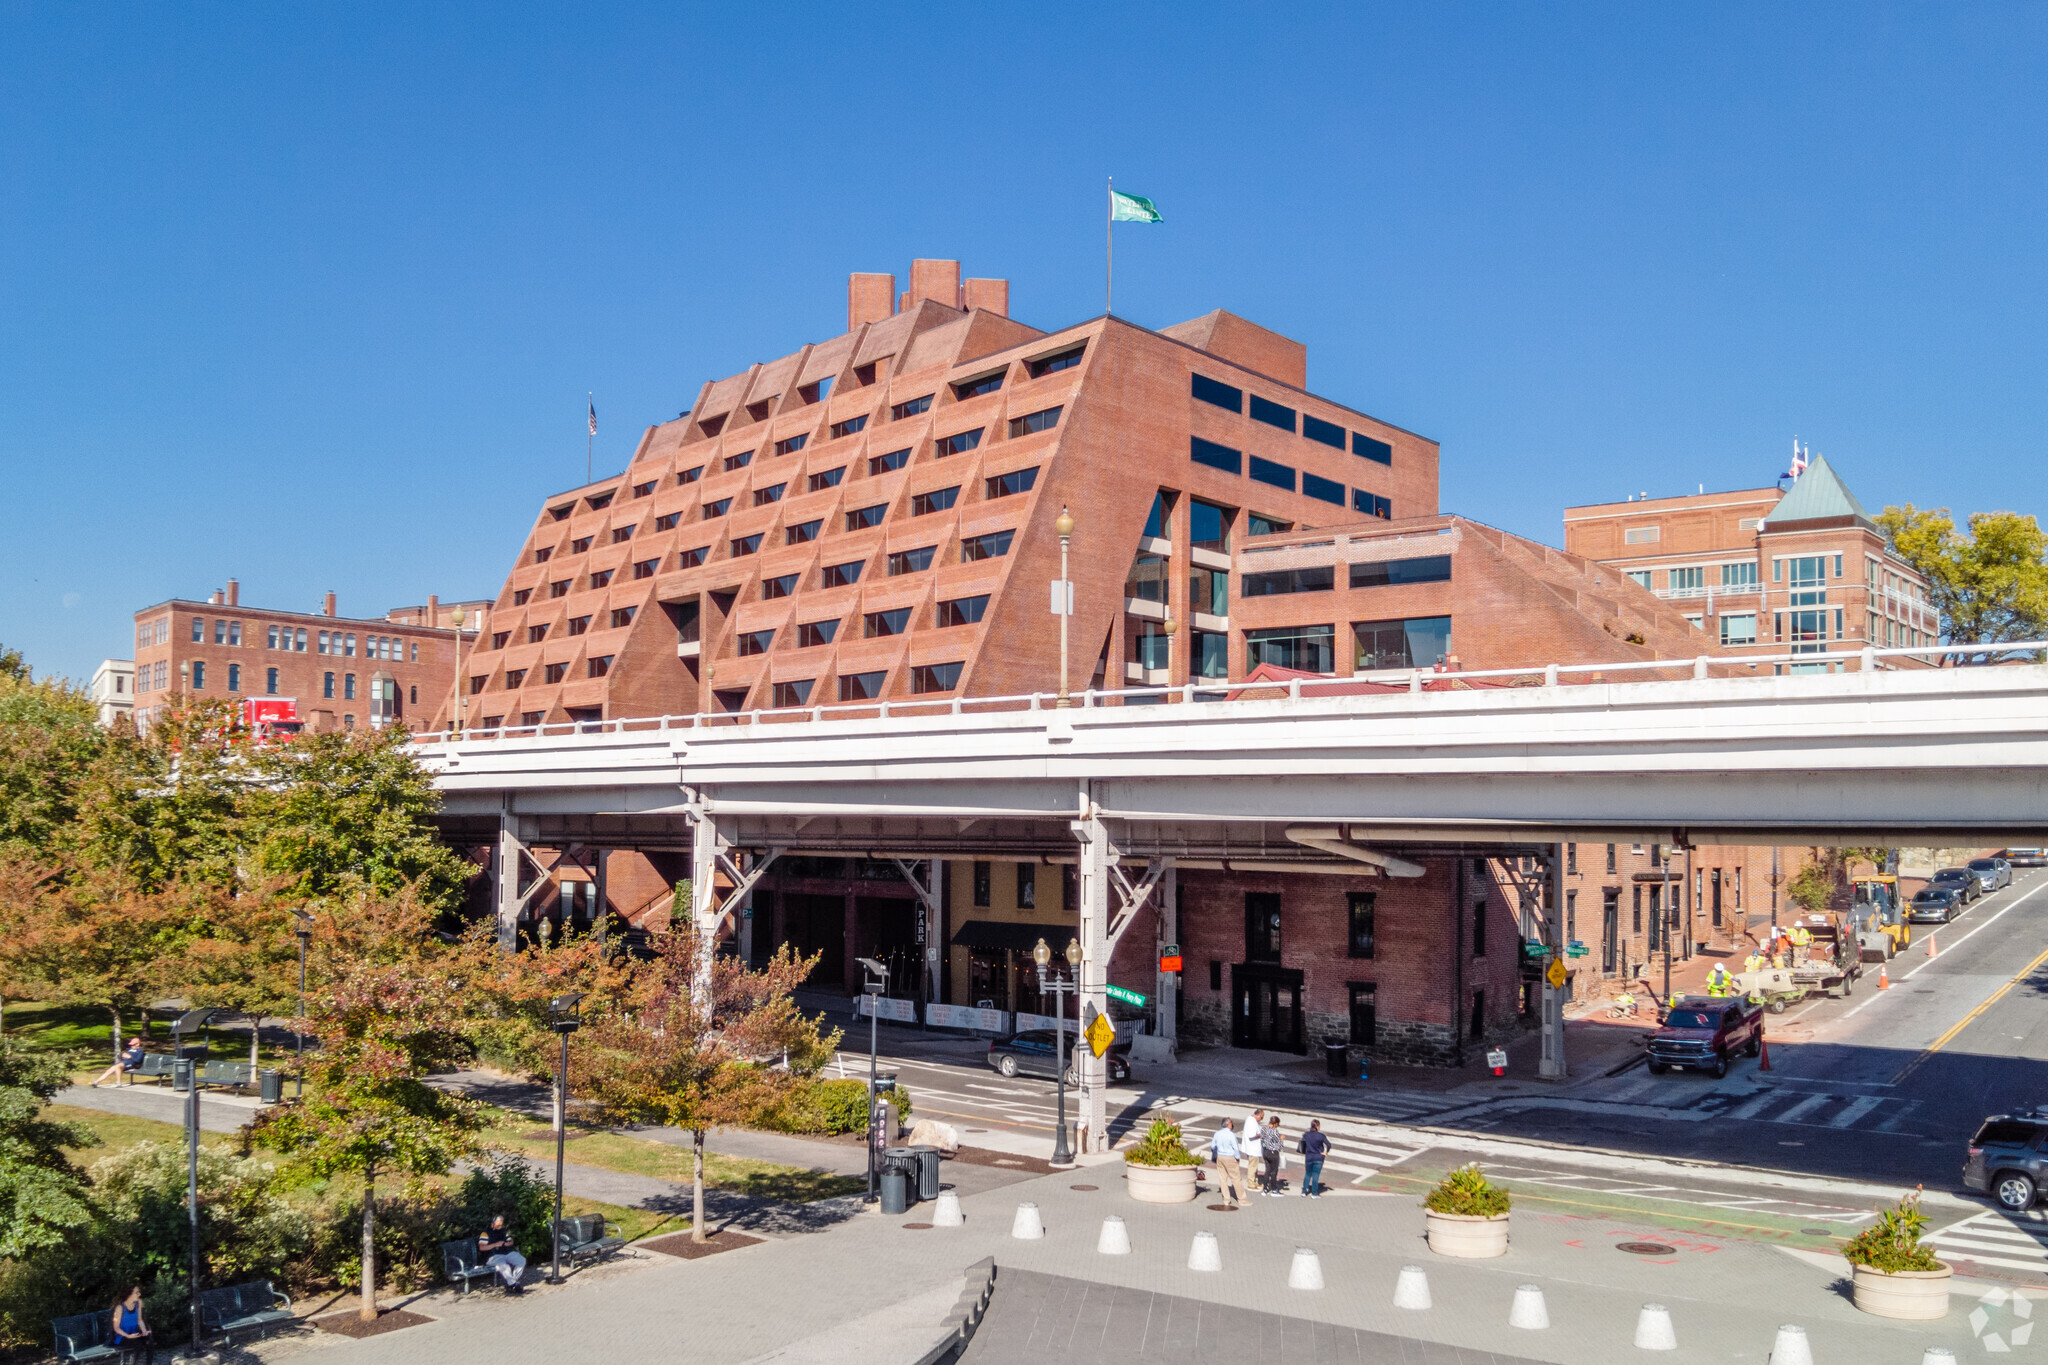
(1930, 945)
(1884, 983)
(1765, 1045)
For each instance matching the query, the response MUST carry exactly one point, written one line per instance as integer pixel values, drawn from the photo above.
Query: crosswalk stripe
(1754, 1107)
(1855, 1110)
(1998, 1236)
(2036, 1266)
(1805, 1106)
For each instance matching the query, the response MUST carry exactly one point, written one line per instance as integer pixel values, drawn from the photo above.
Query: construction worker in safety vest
(1799, 936)
(1717, 981)
(1755, 962)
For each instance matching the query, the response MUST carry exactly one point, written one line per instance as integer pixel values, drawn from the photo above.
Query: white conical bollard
(1204, 1253)
(947, 1214)
(1653, 1329)
(1115, 1239)
(1307, 1270)
(1790, 1348)
(1025, 1225)
(1412, 1289)
(1937, 1355)
(1528, 1310)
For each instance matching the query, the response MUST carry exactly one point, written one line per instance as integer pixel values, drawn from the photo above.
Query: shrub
(1468, 1192)
(821, 1106)
(1162, 1147)
(1892, 1243)
(509, 1186)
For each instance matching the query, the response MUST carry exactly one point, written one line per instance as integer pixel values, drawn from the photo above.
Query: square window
(521, 596)
(689, 475)
(499, 639)
(910, 561)
(1372, 504)
(514, 679)
(601, 665)
(780, 586)
(622, 616)
(598, 502)
(828, 479)
(578, 624)
(690, 559)
(581, 545)
(645, 568)
(559, 588)
(554, 673)
(746, 545)
(622, 534)
(935, 677)
(882, 464)
(602, 578)
(641, 490)
(754, 642)
(773, 493)
(788, 694)
(535, 634)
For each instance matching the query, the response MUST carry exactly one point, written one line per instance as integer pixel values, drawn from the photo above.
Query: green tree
(388, 1011)
(13, 667)
(675, 1056)
(42, 1195)
(1990, 586)
(168, 806)
(49, 741)
(1813, 887)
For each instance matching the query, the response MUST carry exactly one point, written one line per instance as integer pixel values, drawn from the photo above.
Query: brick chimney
(433, 609)
(214, 600)
(327, 606)
(869, 298)
(937, 280)
(234, 593)
(989, 295)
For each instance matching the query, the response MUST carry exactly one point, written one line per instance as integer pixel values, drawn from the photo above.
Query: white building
(113, 689)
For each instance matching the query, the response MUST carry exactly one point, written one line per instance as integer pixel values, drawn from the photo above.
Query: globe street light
(458, 616)
(562, 1018)
(1062, 1152)
(874, 986)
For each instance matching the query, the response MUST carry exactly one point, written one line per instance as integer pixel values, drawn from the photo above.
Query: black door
(1266, 1007)
(1610, 931)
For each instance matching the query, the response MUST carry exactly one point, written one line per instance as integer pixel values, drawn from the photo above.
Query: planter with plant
(1467, 1215)
(1895, 1274)
(1160, 1169)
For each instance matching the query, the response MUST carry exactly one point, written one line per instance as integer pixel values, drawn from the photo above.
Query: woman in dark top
(131, 1329)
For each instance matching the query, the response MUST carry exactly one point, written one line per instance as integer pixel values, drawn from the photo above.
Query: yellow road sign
(1101, 1033)
(1556, 973)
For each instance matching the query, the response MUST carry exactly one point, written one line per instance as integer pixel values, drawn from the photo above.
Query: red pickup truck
(1704, 1031)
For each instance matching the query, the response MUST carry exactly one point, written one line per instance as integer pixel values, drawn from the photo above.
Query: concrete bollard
(1204, 1253)
(947, 1214)
(1528, 1310)
(1025, 1226)
(1790, 1348)
(1937, 1355)
(1115, 1239)
(1412, 1289)
(1653, 1329)
(1307, 1270)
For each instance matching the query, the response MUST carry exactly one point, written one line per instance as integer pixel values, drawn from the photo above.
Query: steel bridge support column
(509, 855)
(1552, 1066)
(1166, 1003)
(1094, 915)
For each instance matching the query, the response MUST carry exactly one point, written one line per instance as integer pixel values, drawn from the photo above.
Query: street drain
(918, 1227)
(1645, 1248)
(1089, 1188)
(1818, 1232)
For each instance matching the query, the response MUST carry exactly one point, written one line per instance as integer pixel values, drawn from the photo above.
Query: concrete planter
(1466, 1235)
(1161, 1184)
(1916, 1295)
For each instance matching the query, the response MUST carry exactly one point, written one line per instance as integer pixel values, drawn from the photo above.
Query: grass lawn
(663, 1161)
(39, 1027)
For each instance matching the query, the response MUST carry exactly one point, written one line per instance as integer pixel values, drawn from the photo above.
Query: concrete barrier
(1307, 1270)
(1412, 1289)
(1115, 1238)
(1025, 1226)
(1790, 1348)
(1528, 1310)
(1653, 1329)
(946, 1213)
(1204, 1253)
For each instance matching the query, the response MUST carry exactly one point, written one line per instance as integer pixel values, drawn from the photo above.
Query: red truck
(271, 720)
(1703, 1032)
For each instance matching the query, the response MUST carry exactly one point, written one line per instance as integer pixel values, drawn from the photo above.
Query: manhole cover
(918, 1227)
(1818, 1232)
(977, 1130)
(1223, 1208)
(1645, 1248)
(1089, 1188)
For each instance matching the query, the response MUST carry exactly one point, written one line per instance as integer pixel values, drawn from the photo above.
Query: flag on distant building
(1132, 208)
(1801, 457)
(593, 417)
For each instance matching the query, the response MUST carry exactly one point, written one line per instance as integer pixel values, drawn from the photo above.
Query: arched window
(384, 701)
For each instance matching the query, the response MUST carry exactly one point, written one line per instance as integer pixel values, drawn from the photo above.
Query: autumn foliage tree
(1990, 584)
(669, 1053)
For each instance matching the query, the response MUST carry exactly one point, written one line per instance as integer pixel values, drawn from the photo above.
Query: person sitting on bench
(495, 1246)
(123, 1064)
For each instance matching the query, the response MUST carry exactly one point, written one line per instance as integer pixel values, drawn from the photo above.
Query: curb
(966, 1315)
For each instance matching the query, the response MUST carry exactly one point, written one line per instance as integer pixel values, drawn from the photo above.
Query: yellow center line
(1945, 1039)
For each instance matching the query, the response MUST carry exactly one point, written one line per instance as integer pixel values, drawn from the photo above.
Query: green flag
(1131, 208)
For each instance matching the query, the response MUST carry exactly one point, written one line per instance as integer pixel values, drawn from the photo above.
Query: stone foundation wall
(1205, 1022)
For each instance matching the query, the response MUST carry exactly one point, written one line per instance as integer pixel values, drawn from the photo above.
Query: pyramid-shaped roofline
(1819, 493)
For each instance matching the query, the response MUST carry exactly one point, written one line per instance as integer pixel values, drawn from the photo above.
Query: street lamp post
(1062, 1150)
(185, 1026)
(562, 1019)
(1064, 596)
(1664, 911)
(877, 982)
(305, 934)
(461, 717)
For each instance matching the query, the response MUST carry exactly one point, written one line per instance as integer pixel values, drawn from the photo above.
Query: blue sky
(311, 296)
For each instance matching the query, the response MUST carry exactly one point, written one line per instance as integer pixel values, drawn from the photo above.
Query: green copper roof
(1819, 493)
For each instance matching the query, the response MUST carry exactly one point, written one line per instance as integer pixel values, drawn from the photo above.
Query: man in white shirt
(1248, 1147)
(1225, 1149)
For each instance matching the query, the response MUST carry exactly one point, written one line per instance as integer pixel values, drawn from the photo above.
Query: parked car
(1935, 905)
(1034, 1053)
(1704, 1031)
(2005, 1159)
(1960, 878)
(2027, 857)
(1993, 874)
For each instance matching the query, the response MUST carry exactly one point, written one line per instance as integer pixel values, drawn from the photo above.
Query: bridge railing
(1383, 681)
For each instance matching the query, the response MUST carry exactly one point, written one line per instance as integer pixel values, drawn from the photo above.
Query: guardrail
(1214, 691)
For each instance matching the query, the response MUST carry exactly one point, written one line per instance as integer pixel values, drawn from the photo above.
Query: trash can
(181, 1075)
(927, 1171)
(1337, 1058)
(270, 1085)
(895, 1190)
(905, 1159)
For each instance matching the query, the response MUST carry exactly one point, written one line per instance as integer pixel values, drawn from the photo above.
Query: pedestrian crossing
(1993, 1238)
(1817, 1109)
(1356, 1150)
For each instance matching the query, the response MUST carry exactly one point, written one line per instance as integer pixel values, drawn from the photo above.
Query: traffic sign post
(1100, 1034)
(1125, 994)
(1556, 974)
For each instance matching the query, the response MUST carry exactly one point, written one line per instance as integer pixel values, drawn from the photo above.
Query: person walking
(1224, 1149)
(495, 1246)
(1271, 1145)
(1315, 1149)
(128, 1061)
(132, 1336)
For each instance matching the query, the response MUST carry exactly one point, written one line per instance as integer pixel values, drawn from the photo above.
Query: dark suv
(2006, 1160)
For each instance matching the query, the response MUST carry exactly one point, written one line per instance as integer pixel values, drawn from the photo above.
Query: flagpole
(1108, 245)
(590, 437)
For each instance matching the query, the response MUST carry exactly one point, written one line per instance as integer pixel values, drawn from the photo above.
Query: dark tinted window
(1034, 422)
(1267, 471)
(1424, 569)
(936, 500)
(975, 388)
(882, 464)
(849, 426)
(1693, 1019)
(962, 611)
(1216, 456)
(935, 677)
(910, 409)
(1983, 865)
(1362, 444)
(1372, 504)
(1316, 429)
(746, 545)
(2005, 1133)
(1272, 414)
(911, 561)
(1217, 392)
(862, 517)
(828, 479)
(839, 575)
(1320, 579)
(958, 443)
(1322, 489)
(1016, 481)
(1065, 360)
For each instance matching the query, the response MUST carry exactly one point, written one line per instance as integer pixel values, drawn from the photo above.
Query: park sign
(1125, 994)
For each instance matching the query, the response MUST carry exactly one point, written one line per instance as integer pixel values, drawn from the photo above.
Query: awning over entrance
(1022, 938)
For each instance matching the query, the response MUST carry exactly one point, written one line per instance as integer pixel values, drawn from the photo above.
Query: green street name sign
(1129, 997)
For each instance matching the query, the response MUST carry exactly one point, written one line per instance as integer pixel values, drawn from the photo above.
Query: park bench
(459, 1260)
(589, 1237)
(227, 1075)
(252, 1307)
(88, 1336)
(155, 1066)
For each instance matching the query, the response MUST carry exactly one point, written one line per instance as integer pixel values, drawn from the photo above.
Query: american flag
(593, 417)
(1800, 456)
